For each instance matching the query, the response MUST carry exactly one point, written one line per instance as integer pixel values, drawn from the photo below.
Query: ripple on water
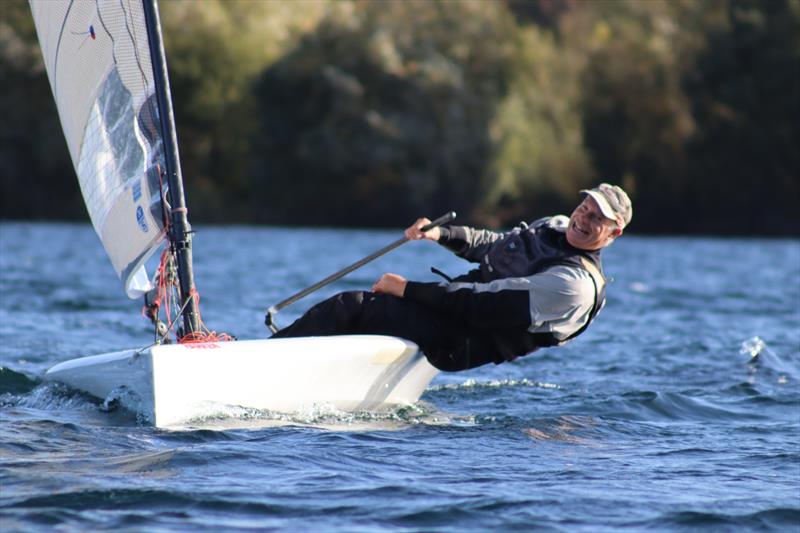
(677, 410)
(776, 519)
(676, 406)
(15, 383)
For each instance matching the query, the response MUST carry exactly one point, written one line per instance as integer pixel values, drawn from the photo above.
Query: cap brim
(605, 207)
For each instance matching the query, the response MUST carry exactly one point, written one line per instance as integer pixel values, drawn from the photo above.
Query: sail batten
(97, 57)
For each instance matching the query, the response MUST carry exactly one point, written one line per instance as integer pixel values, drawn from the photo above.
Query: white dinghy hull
(174, 384)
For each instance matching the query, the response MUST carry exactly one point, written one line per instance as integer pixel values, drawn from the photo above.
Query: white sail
(97, 57)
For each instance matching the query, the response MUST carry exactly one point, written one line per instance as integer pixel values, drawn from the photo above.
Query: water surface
(679, 409)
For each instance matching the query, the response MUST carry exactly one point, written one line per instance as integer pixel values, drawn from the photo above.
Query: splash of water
(49, 396)
(763, 357)
(324, 416)
(753, 346)
(124, 397)
(472, 383)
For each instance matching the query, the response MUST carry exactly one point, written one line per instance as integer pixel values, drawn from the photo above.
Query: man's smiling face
(588, 228)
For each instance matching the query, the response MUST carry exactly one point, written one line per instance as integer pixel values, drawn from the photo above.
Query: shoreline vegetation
(369, 114)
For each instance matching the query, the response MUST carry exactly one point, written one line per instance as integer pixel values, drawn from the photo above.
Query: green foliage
(540, 162)
(36, 176)
(635, 117)
(212, 67)
(359, 112)
(693, 107)
(744, 90)
(383, 111)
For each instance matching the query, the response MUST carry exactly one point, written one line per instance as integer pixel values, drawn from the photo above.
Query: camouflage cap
(613, 202)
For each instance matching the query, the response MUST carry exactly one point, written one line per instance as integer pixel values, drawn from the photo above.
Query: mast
(180, 235)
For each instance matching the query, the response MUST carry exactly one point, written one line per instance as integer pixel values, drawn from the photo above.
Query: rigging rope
(165, 296)
(204, 335)
(167, 290)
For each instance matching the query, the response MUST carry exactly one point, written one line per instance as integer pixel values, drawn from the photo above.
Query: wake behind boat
(106, 65)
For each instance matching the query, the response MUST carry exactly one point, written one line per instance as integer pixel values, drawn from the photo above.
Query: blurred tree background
(372, 113)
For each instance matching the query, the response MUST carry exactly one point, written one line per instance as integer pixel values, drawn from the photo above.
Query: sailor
(535, 286)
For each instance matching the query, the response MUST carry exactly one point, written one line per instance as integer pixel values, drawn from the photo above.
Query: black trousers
(448, 344)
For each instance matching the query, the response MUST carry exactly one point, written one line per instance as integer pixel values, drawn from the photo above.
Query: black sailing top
(531, 289)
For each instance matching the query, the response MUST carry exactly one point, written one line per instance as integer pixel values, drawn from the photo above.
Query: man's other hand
(390, 284)
(415, 233)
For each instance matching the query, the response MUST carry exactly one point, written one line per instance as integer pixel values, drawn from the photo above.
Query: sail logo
(137, 191)
(140, 219)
